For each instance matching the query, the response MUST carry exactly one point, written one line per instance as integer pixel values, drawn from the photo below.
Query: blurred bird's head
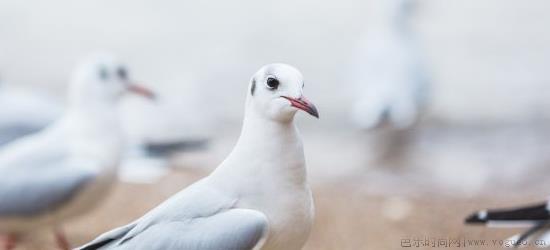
(276, 92)
(399, 11)
(103, 78)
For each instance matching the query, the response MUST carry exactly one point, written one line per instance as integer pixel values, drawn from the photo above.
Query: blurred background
(479, 138)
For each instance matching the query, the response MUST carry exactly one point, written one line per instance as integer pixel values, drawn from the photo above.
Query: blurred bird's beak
(303, 104)
(140, 90)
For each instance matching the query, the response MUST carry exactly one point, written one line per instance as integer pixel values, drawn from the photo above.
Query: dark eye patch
(103, 73)
(122, 73)
(272, 83)
(253, 88)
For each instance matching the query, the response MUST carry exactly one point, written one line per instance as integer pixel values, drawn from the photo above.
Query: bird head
(276, 92)
(103, 78)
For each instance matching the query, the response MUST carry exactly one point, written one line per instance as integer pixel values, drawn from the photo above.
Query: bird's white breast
(272, 179)
(289, 210)
(290, 220)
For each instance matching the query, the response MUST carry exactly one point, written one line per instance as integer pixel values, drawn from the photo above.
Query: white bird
(66, 169)
(391, 81)
(535, 216)
(24, 112)
(258, 198)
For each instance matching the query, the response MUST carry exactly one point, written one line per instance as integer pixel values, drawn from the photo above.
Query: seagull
(391, 83)
(534, 216)
(24, 112)
(391, 80)
(257, 198)
(67, 169)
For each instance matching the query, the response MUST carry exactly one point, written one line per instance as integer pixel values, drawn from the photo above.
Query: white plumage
(23, 112)
(391, 81)
(68, 168)
(258, 198)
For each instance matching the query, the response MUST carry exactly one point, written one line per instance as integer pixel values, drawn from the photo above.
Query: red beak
(303, 104)
(140, 90)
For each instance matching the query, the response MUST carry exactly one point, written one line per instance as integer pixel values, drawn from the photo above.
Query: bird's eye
(122, 73)
(272, 83)
(103, 73)
(303, 84)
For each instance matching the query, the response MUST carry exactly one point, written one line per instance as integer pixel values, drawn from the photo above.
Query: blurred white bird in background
(154, 131)
(535, 216)
(258, 198)
(391, 81)
(67, 169)
(23, 112)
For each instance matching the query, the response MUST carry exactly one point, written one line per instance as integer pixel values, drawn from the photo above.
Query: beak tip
(312, 110)
(151, 97)
(143, 92)
(315, 114)
(303, 104)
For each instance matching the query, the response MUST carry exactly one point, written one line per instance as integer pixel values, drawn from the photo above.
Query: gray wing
(28, 191)
(234, 229)
(11, 133)
(108, 237)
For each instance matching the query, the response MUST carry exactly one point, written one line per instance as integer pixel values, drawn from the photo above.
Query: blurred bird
(149, 128)
(66, 169)
(390, 78)
(23, 112)
(390, 74)
(258, 198)
(535, 216)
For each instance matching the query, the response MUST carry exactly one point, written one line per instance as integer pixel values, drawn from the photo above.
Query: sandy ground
(347, 218)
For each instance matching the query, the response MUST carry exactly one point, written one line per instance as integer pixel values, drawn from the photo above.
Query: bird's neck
(268, 151)
(94, 115)
(260, 132)
(95, 131)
